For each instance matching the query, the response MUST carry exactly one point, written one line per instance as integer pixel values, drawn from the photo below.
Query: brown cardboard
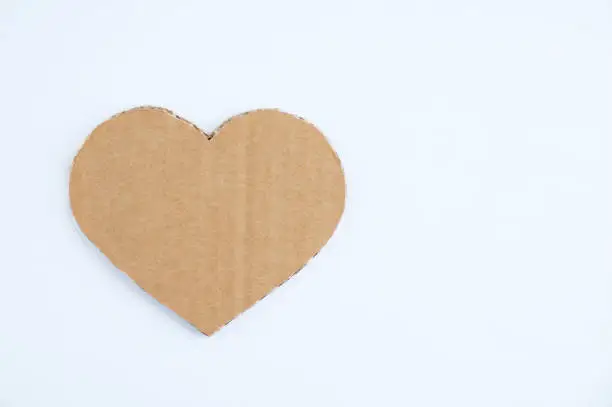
(208, 225)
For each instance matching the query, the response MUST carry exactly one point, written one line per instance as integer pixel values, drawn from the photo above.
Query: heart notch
(207, 224)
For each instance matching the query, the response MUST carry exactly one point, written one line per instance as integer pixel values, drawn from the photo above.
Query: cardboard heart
(208, 225)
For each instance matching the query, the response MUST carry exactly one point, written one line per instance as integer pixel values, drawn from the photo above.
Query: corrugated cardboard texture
(208, 225)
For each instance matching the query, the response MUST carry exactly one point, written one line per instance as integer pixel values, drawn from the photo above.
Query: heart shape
(208, 225)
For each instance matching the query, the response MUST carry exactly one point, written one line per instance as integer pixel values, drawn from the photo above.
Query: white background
(472, 266)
